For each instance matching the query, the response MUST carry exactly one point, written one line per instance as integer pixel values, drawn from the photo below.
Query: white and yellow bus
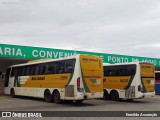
(75, 78)
(128, 80)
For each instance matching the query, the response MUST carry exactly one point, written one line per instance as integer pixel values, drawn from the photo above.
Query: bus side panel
(116, 82)
(45, 81)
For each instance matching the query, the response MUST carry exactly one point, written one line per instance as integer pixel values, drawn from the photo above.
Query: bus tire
(79, 101)
(48, 96)
(129, 100)
(56, 97)
(114, 95)
(106, 95)
(12, 93)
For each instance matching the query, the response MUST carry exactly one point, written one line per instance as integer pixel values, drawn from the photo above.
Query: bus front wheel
(114, 96)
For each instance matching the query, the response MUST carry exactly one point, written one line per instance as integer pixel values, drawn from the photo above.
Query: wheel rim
(56, 97)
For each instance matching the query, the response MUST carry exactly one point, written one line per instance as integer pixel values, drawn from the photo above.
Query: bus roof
(32, 62)
(128, 63)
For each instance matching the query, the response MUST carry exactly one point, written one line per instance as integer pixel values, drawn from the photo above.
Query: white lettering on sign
(150, 61)
(35, 53)
(134, 60)
(61, 54)
(115, 59)
(50, 54)
(10, 51)
(7, 51)
(19, 52)
(42, 54)
(102, 57)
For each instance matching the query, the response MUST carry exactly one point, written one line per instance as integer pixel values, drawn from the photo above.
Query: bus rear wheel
(114, 96)
(106, 95)
(56, 97)
(48, 96)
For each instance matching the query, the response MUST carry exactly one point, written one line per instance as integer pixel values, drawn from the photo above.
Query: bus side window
(56, 68)
(7, 75)
(69, 66)
(33, 68)
(19, 71)
(14, 72)
(23, 71)
(131, 70)
(46, 68)
(37, 69)
(61, 67)
(41, 69)
(50, 68)
(28, 70)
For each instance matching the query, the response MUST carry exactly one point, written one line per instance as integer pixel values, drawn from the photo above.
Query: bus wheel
(48, 96)
(114, 96)
(56, 97)
(12, 93)
(105, 95)
(79, 101)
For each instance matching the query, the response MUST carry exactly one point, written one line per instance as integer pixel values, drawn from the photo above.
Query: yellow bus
(75, 78)
(128, 80)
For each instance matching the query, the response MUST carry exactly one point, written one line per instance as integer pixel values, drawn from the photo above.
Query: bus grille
(130, 92)
(69, 91)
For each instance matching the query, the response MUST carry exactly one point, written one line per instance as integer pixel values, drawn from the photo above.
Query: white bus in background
(129, 80)
(75, 78)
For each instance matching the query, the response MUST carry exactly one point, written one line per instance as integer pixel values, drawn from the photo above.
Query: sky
(126, 27)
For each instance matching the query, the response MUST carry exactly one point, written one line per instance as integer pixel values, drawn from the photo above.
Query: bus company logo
(6, 114)
(63, 77)
(95, 81)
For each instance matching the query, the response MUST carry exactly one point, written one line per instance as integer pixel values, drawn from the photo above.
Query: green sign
(15, 51)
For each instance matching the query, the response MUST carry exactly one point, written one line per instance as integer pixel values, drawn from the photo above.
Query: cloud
(108, 26)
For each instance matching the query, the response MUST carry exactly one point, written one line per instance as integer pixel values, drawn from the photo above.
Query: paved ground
(34, 104)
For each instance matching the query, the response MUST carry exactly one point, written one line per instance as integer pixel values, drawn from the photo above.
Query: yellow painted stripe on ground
(4, 96)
